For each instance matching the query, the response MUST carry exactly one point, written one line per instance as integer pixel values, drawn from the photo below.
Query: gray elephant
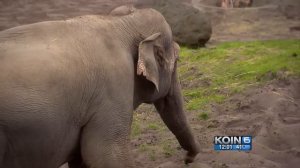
(68, 89)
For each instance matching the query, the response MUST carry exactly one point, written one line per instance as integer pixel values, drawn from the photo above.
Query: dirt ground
(263, 22)
(270, 113)
(260, 22)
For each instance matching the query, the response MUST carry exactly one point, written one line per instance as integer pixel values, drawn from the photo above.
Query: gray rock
(190, 26)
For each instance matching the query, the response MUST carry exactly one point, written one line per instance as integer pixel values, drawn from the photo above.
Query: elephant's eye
(159, 55)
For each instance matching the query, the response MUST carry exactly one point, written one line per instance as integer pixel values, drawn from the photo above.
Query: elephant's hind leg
(105, 144)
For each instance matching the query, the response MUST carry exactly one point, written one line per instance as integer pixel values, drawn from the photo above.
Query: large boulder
(190, 26)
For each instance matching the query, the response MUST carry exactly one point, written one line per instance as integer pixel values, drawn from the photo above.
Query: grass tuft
(153, 126)
(203, 116)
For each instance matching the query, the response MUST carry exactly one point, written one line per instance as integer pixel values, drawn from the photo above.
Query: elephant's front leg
(105, 140)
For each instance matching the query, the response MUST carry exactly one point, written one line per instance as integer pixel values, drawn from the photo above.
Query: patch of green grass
(135, 128)
(152, 155)
(150, 150)
(168, 150)
(153, 126)
(198, 98)
(233, 66)
(144, 147)
(203, 116)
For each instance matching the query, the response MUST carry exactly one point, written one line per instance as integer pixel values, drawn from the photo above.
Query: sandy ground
(270, 113)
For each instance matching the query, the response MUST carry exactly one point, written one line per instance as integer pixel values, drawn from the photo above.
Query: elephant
(68, 89)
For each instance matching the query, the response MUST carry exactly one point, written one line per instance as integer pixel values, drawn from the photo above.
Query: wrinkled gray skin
(68, 89)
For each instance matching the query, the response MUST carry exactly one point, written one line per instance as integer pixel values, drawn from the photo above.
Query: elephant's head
(156, 80)
(160, 67)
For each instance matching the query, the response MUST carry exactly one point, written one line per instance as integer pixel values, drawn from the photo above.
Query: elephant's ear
(147, 65)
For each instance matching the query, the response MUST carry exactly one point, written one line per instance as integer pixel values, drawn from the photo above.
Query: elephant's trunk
(171, 111)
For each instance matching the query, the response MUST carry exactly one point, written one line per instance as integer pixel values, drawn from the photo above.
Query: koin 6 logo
(232, 140)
